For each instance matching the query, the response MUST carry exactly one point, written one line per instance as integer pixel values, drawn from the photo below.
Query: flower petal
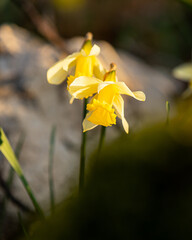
(139, 95)
(59, 71)
(123, 89)
(56, 74)
(83, 87)
(69, 61)
(98, 69)
(118, 104)
(87, 125)
(183, 72)
(95, 50)
(104, 84)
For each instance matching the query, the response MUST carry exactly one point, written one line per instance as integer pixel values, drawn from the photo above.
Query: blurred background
(150, 38)
(157, 31)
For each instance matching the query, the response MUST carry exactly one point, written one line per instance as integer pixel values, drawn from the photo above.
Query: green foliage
(140, 188)
(8, 152)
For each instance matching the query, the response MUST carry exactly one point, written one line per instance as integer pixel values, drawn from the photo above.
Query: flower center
(84, 66)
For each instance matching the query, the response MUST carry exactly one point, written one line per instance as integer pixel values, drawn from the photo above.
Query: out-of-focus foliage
(68, 5)
(187, 1)
(158, 31)
(139, 189)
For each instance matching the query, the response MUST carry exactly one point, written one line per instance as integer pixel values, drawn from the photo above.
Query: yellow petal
(83, 87)
(59, 71)
(69, 61)
(104, 84)
(87, 125)
(183, 72)
(95, 50)
(139, 95)
(123, 89)
(98, 69)
(8, 152)
(71, 100)
(118, 104)
(56, 74)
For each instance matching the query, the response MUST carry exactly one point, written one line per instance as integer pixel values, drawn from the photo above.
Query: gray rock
(29, 104)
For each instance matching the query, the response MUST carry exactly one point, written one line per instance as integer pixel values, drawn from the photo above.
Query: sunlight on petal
(139, 95)
(69, 61)
(87, 125)
(118, 104)
(95, 50)
(56, 74)
(98, 70)
(83, 87)
(104, 84)
(183, 72)
(123, 89)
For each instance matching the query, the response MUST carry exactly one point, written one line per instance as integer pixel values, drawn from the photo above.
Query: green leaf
(8, 152)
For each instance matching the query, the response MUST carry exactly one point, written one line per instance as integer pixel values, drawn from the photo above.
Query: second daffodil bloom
(85, 62)
(107, 104)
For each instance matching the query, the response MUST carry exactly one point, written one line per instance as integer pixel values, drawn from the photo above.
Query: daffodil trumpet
(107, 103)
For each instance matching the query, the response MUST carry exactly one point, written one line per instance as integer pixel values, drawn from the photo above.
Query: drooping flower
(107, 104)
(184, 73)
(85, 62)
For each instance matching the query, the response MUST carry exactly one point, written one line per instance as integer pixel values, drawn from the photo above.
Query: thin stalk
(10, 180)
(82, 155)
(101, 141)
(168, 112)
(23, 226)
(32, 197)
(17, 154)
(50, 168)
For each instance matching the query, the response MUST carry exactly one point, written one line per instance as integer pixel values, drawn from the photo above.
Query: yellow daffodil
(85, 62)
(107, 104)
(184, 73)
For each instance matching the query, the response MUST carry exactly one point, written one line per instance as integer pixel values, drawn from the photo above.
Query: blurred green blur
(140, 188)
(157, 31)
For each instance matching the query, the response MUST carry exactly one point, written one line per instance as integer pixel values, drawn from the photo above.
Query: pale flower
(107, 104)
(85, 62)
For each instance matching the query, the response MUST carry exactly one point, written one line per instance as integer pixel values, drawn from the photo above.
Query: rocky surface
(29, 104)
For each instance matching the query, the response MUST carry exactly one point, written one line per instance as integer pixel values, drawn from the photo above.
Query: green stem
(30, 193)
(83, 148)
(17, 154)
(10, 180)
(50, 168)
(23, 226)
(168, 112)
(101, 141)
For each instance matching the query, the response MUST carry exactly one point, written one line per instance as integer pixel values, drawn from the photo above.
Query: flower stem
(9, 182)
(23, 226)
(168, 112)
(101, 141)
(83, 148)
(50, 168)
(30, 193)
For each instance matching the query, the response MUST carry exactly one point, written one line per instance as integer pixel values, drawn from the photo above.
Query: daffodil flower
(184, 73)
(107, 104)
(85, 62)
